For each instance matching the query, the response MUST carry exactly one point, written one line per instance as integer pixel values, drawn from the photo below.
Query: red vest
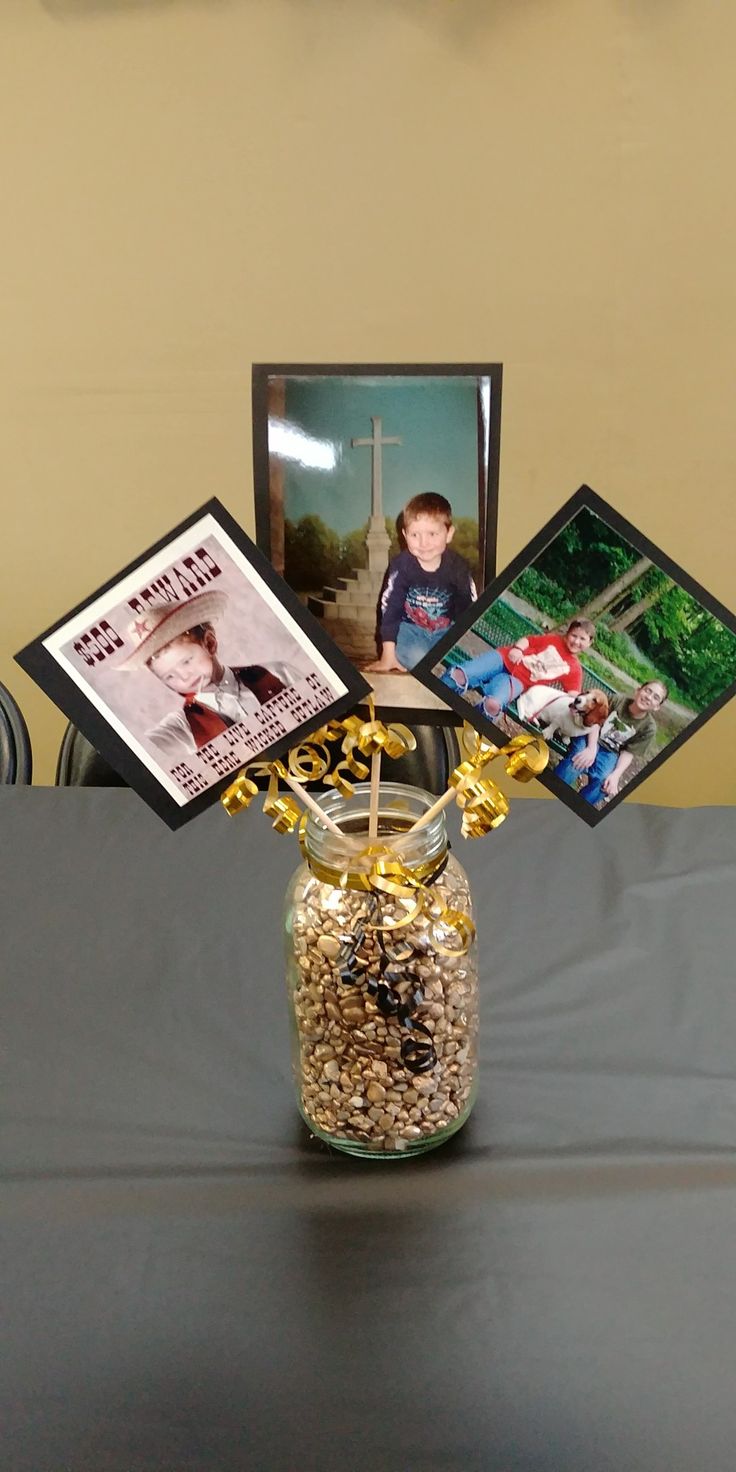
(205, 723)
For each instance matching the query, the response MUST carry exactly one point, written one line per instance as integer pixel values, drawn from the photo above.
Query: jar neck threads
(399, 808)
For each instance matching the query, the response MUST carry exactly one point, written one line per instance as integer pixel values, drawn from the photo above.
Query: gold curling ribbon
(372, 736)
(528, 756)
(239, 795)
(310, 762)
(484, 806)
(389, 875)
(366, 739)
(478, 749)
(463, 927)
(282, 807)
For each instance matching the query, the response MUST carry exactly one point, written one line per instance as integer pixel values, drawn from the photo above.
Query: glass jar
(384, 1021)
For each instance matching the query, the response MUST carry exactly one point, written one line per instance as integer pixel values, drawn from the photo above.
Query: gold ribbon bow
(376, 869)
(310, 760)
(483, 805)
(389, 875)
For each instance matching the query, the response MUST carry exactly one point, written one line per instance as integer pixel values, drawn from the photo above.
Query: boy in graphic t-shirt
(426, 588)
(536, 659)
(630, 730)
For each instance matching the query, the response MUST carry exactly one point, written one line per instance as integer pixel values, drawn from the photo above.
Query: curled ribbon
(282, 807)
(382, 975)
(367, 738)
(481, 801)
(310, 760)
(483, 805)
(390, 876)
(239, 795)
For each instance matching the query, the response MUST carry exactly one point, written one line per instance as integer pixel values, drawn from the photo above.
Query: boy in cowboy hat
(177, 643)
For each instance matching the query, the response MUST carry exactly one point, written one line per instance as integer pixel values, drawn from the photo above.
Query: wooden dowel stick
(442, 802)
(313, 805)
(375, 791)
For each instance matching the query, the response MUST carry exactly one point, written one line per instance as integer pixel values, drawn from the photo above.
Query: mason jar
(384, 1015)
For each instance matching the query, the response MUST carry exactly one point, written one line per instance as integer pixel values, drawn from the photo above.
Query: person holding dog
(630, 730)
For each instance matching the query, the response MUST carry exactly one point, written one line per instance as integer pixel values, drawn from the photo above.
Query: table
(191, 1284)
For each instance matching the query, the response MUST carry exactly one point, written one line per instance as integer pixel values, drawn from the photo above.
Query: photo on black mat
(194, 661)
(596, 639)
(376, 499)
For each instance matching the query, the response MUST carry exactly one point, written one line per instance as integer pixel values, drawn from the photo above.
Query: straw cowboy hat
(162, 622)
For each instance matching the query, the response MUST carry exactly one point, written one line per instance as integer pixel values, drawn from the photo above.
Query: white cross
(377, 443)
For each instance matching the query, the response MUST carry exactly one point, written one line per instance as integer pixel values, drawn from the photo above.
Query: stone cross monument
(349, 610)
(377, 541)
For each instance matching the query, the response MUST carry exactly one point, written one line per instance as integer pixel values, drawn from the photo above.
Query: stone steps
(361, 579)
(350, 610)
(363, 611)
(350, 598)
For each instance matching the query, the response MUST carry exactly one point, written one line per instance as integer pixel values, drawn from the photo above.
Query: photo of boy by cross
(363, 480)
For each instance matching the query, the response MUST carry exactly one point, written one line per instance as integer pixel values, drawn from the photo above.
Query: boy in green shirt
(629, 730)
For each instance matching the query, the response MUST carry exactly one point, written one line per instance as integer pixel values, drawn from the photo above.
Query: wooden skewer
(375, 792)
(313, 805)
(442, 802)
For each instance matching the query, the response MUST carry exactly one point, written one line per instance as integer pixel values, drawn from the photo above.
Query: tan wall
(192, 185)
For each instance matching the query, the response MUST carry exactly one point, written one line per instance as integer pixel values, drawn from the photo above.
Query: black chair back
(16, 763)
(429, 767)
(80, 765)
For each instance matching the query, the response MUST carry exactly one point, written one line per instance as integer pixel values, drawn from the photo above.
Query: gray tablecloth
(191, 1284)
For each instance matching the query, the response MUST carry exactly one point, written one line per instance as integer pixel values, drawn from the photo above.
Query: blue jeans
(487, 672)
(602, 767)
(412, 643)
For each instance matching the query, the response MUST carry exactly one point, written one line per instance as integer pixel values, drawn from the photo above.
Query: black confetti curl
(397, 963)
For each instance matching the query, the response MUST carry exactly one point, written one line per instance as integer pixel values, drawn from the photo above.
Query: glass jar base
(399, 1148)
(382, 979)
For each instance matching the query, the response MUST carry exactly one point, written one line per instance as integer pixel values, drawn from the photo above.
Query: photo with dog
(598, 648)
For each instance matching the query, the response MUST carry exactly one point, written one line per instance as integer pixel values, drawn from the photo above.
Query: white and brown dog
(564, 715)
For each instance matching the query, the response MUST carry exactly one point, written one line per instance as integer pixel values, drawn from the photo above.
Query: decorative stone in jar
(382, 977)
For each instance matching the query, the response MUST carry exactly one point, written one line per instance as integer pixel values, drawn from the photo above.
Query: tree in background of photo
(314, 554)
(688, 644)
(465, 542)
(311, 553)
(646, 624)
